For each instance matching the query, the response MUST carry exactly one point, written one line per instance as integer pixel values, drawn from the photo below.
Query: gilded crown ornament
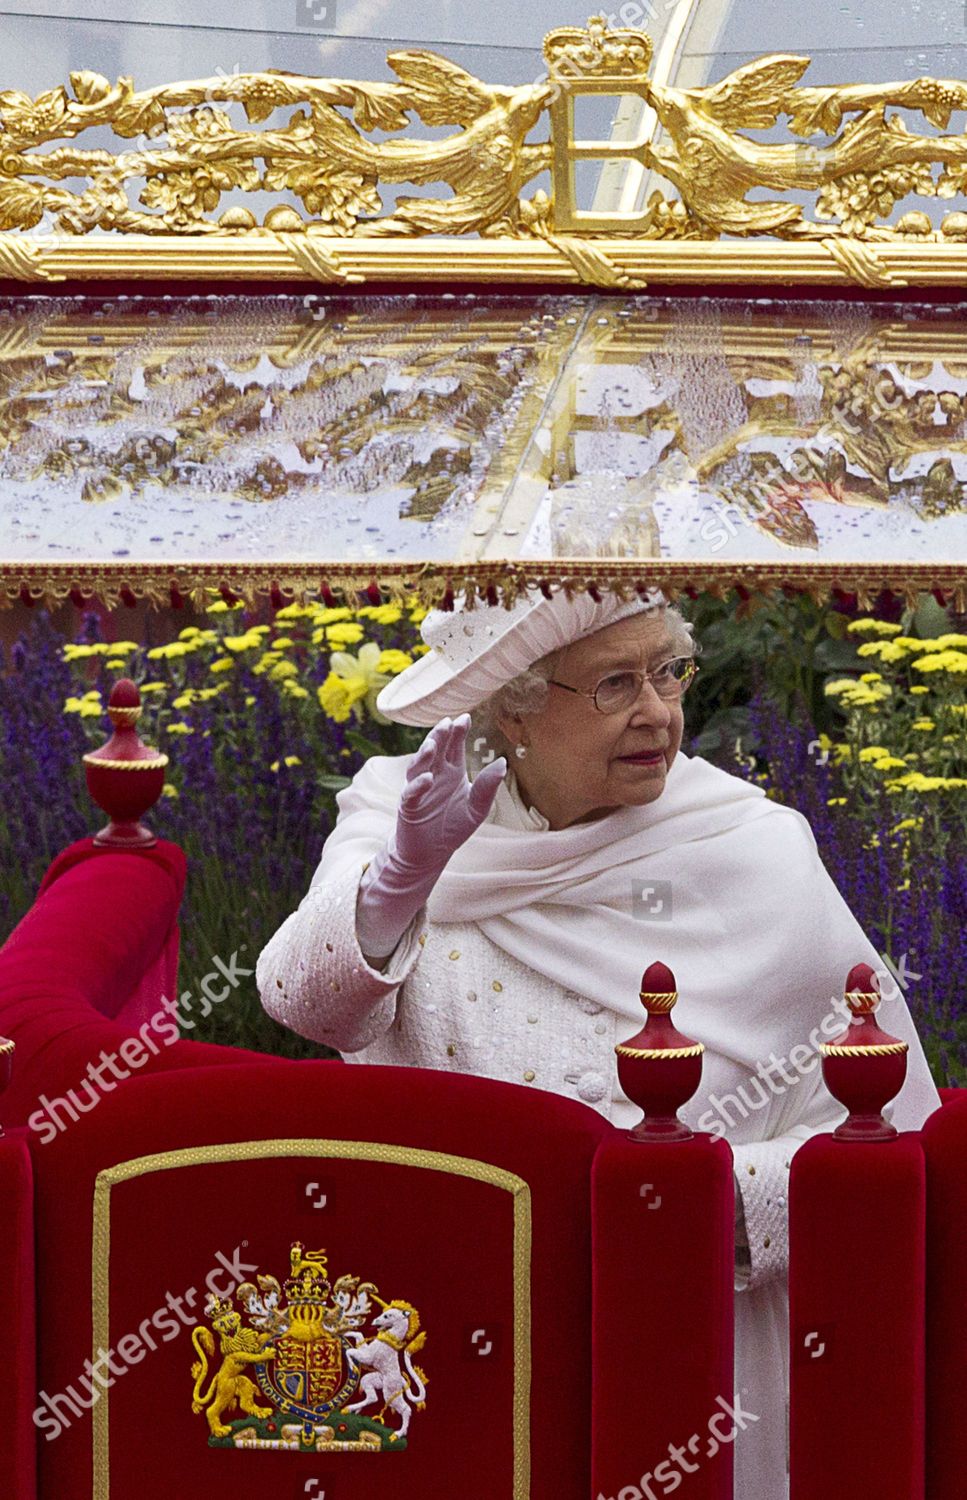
(597, 52)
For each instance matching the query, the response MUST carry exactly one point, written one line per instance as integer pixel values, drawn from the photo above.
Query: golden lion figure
(239, 1347)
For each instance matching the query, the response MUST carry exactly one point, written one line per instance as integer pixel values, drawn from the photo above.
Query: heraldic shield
(306, 1348)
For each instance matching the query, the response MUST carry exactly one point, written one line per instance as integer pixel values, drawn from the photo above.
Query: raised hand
(439, 810)
(440, 806)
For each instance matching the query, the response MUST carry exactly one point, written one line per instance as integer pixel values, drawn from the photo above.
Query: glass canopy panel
(296, 429)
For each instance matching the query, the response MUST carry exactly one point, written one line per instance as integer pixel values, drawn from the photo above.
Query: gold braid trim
(21, 260)
(661, 1052)
(425, 582)
(861, 263)
(314, 259)
(660, 1000)
(831, 1049)
(592, 265)
(155, 764)
(6, 1046)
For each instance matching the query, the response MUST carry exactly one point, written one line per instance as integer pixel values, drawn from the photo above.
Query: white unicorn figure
(398, 1335)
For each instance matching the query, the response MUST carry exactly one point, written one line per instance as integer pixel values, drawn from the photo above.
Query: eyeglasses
(620, 689)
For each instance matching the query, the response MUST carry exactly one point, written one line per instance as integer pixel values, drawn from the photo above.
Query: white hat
(474, 652)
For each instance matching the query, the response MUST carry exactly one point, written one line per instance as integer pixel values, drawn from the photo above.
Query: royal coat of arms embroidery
(328, 1383)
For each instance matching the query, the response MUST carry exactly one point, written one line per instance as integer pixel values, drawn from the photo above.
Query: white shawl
(750, 922)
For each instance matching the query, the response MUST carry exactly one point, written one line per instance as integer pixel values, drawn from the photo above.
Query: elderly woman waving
(494, 915)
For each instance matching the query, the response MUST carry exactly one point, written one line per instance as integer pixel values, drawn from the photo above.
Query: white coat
(539, 980)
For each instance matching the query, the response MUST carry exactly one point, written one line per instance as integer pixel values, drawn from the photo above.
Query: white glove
(439, 810)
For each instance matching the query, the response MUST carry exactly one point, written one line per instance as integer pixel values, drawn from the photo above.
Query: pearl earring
(520, 751)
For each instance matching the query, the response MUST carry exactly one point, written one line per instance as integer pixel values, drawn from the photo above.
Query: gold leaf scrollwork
(338, 144)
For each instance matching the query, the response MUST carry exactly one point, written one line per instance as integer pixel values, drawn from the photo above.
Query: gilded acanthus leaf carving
(336, 146)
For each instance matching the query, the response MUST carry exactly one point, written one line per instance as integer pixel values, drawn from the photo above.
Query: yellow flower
(922, 688)
(294, 612)
(221, 608)
(872, 627)
(247, 642)
(418, 613)
(180, 728)
(908, 823)
(249, 699)
(923, 724)
(265, 661)
(942, 661)
(323, 616)
(872, 677)
(290, 760)
(955, 708)
(420, 650)
(873, 752)
(383, 614)
(889, 763)
(352, 678)
(77, 652)
(166, 653)
(835, 801)
(194, 638)
(945, 642)
(114, 666)
(885, 650)
(394, 661)
(345, 635)
(82, 706)
(294, 689)
(119, 648)
(153, 687)
(337, 695)
(169, 789)
(282, 643)
(185, 699)
(223, 664)
(832, 689)
(284, 669)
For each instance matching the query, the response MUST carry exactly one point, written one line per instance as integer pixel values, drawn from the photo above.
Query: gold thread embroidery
(409, 1156)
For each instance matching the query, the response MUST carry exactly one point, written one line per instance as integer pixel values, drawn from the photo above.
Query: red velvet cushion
(99, 923)
(17, 1432)
(433, 1237)
(944, 1139)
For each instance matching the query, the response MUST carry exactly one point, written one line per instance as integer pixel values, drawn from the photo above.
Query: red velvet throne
(512, 1222)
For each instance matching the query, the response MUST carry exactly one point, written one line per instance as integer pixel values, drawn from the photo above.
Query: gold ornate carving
(183, 146)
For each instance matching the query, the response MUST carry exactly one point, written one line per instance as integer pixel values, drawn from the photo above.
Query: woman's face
(576, 769)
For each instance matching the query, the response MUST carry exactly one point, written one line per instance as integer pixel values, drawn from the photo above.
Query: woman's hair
(527, 693)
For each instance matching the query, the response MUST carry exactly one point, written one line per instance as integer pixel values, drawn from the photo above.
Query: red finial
(659, 1069)
(125, 776)
(328, 597)
(6, 1065)
(373, 593)
(864, 1067)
